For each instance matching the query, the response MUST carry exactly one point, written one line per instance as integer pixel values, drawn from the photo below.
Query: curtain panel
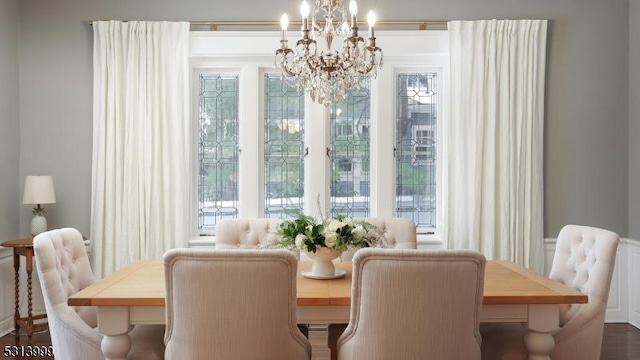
(493, 139)
(141, 131)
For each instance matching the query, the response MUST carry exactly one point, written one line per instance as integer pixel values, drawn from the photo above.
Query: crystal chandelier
(326, 74)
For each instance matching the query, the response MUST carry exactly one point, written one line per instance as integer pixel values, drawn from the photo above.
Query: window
(283, 147)
(349, 154)
(218, 144)
(266, 150)
(416, 178)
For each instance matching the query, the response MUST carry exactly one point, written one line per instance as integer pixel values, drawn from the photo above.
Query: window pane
(283, 148)
(218, 149)
(416, 122)
(350, 120)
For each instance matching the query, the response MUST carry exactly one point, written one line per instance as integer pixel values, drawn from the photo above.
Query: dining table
(135, 295)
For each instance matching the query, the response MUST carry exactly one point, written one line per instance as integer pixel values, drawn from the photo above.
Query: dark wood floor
(620, 342)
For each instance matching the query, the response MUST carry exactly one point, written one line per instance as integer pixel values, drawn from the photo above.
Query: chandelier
(326, 74)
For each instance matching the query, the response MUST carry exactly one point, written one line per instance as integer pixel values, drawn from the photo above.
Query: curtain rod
(214, 25)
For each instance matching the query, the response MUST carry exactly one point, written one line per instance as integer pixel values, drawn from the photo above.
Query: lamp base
(38, 225)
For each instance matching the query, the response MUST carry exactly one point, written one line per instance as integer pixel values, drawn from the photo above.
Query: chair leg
(333, 333)
(304, 329)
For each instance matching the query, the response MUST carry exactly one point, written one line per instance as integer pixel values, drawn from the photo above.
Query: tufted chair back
(414, 305)
(245, 233)
(64, 269)
(584, 259)
(399, 233)
(211, 307)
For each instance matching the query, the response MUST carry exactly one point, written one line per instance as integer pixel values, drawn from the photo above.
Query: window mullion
(382, 143)
(251, 197)
(316, 163)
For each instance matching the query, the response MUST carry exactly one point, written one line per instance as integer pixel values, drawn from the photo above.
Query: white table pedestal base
(113, 323)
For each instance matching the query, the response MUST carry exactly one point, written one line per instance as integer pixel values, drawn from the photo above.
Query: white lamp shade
(38, 190)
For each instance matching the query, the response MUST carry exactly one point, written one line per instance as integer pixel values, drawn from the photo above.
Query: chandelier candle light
(327, 74)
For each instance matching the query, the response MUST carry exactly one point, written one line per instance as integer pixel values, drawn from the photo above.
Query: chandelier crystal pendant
(326, 74)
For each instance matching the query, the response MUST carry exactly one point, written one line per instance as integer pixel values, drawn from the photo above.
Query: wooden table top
(18, 243)
(142, 284)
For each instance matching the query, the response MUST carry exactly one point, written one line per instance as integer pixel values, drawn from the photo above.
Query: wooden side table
(24, 247)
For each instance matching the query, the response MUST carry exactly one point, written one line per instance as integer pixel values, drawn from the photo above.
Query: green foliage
(415, 176)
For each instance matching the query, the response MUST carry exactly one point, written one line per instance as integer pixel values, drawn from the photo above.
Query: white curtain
(141, 132)
(493, 139)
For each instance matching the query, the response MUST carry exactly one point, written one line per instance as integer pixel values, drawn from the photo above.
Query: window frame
(251, 53)
(440, 67)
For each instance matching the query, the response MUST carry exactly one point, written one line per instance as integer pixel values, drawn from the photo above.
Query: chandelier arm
(355, 40)
(373, 62)
(288, 71)
(306, 43)
(351, 44)
(284, 51)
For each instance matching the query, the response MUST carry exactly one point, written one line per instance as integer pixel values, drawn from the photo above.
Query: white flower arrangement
(340, 233)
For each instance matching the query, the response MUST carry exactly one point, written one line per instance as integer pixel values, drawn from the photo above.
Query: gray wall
(634, 119)
(9, 121)
(586, 129)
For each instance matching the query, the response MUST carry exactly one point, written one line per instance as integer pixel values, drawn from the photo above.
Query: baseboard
(6, 326)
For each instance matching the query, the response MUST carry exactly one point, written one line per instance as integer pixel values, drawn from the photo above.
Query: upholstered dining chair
(63, 269)
(397, 233)
(231, 304)
(414, 305)
(584, 259)
(246, 233)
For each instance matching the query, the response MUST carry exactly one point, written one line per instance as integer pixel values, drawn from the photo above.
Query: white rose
(333, 226)
(359, 232)
(300, 238)
(330, 239)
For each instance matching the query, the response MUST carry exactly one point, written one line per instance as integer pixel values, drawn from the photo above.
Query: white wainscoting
(6, 290)
(623, 305)
(633, 273)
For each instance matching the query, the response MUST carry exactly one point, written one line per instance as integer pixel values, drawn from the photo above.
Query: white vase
(38, 225)
(322, 265)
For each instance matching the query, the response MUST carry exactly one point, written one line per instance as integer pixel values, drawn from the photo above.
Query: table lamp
(38, 190)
